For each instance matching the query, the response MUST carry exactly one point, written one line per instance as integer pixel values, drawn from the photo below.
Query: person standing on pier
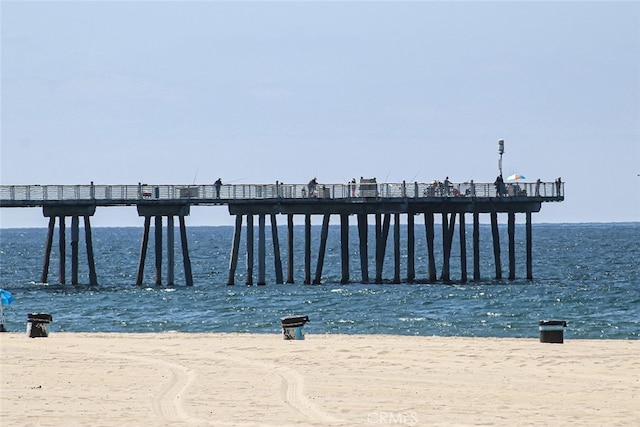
(353, 187)
(558, 186)
(447, 187)
(217, 186)
(312, 187)
(499, 183)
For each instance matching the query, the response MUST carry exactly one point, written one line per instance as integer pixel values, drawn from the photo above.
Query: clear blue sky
(175, 92)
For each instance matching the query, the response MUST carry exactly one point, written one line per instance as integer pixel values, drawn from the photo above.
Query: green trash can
(552, 331)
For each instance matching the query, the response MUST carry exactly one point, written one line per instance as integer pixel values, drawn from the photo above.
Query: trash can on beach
(552, 331)
(37, 324)
(292, 327)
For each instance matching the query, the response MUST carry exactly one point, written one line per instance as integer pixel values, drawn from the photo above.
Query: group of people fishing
(369, 188)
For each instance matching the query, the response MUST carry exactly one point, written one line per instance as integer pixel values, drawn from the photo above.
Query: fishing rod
(236, 180)
(195, 176)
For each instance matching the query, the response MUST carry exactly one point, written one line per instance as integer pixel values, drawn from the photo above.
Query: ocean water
(586, 274)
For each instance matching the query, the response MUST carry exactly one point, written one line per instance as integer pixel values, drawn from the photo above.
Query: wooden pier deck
(368, 198)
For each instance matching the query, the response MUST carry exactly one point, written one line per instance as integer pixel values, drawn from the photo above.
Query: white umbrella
(516, 177)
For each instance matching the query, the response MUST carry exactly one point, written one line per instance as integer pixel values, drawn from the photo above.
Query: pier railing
(208, 193)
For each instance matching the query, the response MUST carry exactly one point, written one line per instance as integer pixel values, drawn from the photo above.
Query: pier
(385, 204)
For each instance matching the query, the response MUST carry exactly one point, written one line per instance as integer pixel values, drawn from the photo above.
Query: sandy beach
(111, 379)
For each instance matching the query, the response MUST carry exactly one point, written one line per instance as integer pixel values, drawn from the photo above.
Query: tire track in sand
(293, 389)
(167, 404)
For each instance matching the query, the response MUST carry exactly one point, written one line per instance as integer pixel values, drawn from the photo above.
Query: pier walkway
(365, 198)
(206, 194)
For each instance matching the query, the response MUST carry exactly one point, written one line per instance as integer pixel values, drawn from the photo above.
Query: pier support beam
(290, 248)
(496, 245)
(186, 260)
(382, 210)
(396, 248)
(47, 250)
(444, 274)
(170, 251)
(307, 249)
(261, 250)
(363, 235)
(143, 250)
(75, 212)
(463, 249)
(62, 244)
(379, 257)
(529, 252)
(382, 233)
(157, 212)
(157, 228)
(276, 250)
(235, 251)
(511, 228)
(249, 253)
(429, 224)
(448, 228)
(323, 247)
(93, 277)
(476, 246)
(344, 248)
(75, 237)
(411, 268)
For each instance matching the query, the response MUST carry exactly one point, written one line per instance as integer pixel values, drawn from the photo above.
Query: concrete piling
(61, 212)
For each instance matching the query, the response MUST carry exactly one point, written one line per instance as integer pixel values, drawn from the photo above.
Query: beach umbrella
(6, 297)
(515, 177)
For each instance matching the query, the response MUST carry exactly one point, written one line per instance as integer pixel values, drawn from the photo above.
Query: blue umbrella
(6, 297)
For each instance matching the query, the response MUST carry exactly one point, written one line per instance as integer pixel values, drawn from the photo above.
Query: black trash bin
(38, 324)
(552, 331)
(292, 327)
